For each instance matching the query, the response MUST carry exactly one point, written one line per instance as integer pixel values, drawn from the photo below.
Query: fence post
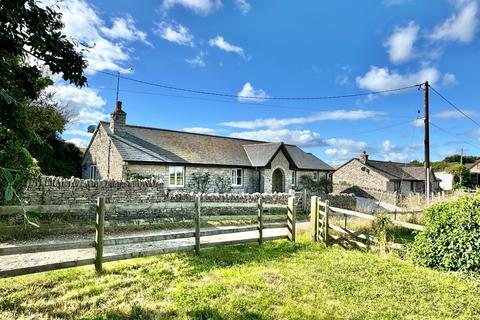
(292, 218)
(325, 223)
(99, 233)
(304, 200)
(260, 220)
(314, 217)
(197, 223)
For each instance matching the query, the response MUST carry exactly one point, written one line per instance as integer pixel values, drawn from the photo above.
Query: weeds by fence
(321, 226)
(263, 219)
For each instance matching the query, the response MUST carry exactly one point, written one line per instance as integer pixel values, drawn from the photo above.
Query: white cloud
(448, 79)
(202, 7)
(389, 151)
(222, 44)
(400, 43)
(197, 61)
(84, 105)
(378, 79)
(243, 6)
(81, 143)
(418, 123)
(454, 114)
(343, 150)
(460, 26)
(343, 77)
(302, 138)
(78, 132)
(250, 94)
(174, 33)
(84, 25)
(124, 28)
(390, 3)
(320, 116)
(200, 130)
(475, 133)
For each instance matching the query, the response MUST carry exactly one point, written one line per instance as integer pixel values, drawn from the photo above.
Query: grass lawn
(278, 280)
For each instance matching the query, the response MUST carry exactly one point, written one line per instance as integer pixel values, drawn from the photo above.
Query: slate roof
(398, 171)
(143, 144)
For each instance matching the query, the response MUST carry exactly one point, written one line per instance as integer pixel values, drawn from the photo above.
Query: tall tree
(29, 31)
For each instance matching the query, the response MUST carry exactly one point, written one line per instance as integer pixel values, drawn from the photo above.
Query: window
(237, 175)
(315, 176)
(294, 178)
(92, 172)
(177, 175)
(412, 186)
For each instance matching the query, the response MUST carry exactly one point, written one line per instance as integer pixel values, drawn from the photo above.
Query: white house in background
(446, 180)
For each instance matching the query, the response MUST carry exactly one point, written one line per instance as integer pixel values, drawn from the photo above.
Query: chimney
(119, 117)
(364, 157)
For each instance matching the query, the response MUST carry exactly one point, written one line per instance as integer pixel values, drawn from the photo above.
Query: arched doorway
(277, 180)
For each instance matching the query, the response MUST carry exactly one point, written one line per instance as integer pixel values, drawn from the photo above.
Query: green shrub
(451, 239)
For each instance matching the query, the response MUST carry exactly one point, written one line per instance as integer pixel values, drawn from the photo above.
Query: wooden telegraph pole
(427, 144)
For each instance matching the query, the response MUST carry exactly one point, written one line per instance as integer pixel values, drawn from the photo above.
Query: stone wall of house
(357, 174)
(366, 192)
(279, 162)
(249, 185)
(105, 156)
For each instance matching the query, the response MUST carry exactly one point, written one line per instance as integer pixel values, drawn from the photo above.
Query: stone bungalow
(119, 151)
(373, 178)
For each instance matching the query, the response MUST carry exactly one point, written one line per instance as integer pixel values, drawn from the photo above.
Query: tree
(461, 175)
(55, 156)
(29, 32)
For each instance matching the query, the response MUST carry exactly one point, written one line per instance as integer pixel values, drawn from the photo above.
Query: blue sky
(274, 48)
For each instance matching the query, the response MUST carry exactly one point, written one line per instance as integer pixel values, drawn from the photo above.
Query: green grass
(277, 280)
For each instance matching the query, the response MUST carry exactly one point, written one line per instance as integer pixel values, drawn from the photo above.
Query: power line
(212, 93)
(454, 106)
(454, 135)
(372, 130)
(256, 104)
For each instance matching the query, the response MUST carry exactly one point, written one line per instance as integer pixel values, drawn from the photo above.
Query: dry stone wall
(57, 190)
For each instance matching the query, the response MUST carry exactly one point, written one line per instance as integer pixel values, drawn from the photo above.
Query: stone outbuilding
(376, 179)
(121, 152)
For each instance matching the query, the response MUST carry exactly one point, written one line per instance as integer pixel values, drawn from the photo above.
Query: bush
(451, 239)
(320, 186)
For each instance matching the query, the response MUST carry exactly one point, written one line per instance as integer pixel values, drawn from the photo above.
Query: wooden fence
(263, 219)
(321, 226)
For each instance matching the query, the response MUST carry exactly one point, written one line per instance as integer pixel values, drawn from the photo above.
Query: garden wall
(57, 190)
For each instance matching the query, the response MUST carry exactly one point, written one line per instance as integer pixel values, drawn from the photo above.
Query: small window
(315, 176)
(294, 178)
(92, 172)
(176, 176)
(237, 175)
(412, 186)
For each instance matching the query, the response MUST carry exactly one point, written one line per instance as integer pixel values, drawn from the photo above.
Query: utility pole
(427, 144)
(461, 156)
(118, 86)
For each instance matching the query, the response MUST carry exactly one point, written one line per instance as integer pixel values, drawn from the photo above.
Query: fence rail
(321, 226)
(264, 221)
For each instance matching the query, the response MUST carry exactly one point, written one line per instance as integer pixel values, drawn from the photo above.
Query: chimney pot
(364, 157)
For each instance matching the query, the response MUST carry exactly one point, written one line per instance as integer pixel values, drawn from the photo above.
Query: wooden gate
(320, 213)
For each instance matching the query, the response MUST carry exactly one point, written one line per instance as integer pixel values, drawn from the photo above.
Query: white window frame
(294, 178)
(316, 176)
(235, 176)
(177, 172)
(92, 172)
